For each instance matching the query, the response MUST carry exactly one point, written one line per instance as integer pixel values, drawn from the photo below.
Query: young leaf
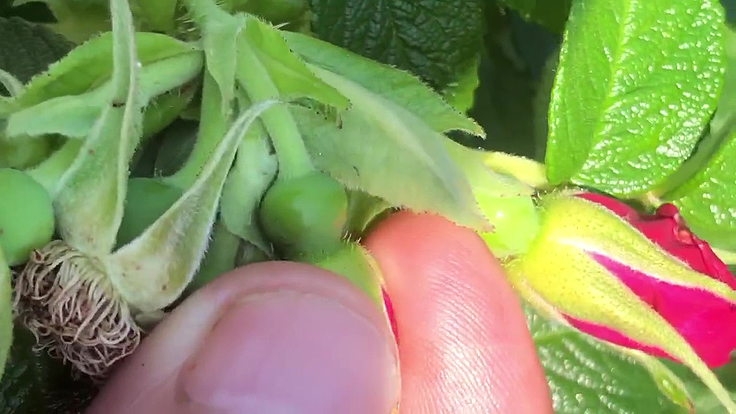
(400, 87)
(90, 202)
(636, 83)
(588, 376)
(220, 31)
(288, 73)
(152, 271)
(75, 115)
(385, 150)
(254, 170)
(90, 64)
(430, 38)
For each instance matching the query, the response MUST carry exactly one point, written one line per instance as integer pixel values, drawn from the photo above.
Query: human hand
(283, 337)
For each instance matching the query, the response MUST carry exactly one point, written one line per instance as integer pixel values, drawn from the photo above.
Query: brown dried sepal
(67, 301)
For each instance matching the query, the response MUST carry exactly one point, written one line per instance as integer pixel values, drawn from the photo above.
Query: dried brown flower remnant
(66, 300)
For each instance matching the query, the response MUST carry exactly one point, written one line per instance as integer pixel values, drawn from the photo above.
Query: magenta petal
(701, 317)
(609, 335)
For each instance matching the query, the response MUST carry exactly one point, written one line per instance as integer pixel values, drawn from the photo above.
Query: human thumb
(274, 337)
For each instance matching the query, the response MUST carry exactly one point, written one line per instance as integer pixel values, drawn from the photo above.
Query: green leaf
(6, 312)
(158, 15)
(588, 376)
(703, 399)
(550, 14)
(35, 383)
(78, 20)
(254, 170)
(430, 38)
(385, 150)
(91, 201)
(399, 87)
(636, 83)
(704, 188)
(75, 115)
(285, 69)
(90, 64)
(27, 49)
(707, 201)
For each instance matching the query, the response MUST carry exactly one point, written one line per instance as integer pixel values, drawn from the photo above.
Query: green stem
(49, 172)
(212, 129)
(294, 160)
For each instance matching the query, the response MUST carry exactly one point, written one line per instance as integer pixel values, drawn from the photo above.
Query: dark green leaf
(434, 39)
(27, 48)
(587, 376)
(636, 83)
(35, 383)
(551, 14)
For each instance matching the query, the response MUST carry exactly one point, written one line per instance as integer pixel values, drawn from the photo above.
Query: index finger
(463, 342)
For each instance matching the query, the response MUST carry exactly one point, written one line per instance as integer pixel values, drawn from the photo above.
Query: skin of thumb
(275, 337)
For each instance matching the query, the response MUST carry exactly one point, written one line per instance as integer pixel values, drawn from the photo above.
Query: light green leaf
(6, 312)
(385, 150)
(286, 70)
(90, 203)
(399, 87)
(153, 270)
(74, 115)
(588, 376)
(254, 170)
(636, 83)
(158, 14)
(90, 65)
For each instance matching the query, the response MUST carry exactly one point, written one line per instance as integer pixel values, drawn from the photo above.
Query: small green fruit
(304, 217)
(26, 215)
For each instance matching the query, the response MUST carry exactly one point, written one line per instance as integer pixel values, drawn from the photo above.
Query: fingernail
(289, 352)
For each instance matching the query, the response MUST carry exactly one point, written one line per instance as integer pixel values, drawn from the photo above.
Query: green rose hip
(304, 216)
(26, 215)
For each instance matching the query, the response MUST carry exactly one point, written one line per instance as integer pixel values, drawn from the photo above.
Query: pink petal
(701, 317)
(609, 335)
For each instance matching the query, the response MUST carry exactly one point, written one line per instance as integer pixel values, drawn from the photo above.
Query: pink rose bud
(701, 317)
(644, 282)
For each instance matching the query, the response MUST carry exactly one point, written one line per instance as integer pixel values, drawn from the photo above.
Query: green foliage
(586, 375)
(27, 49)
(34, 382)
(635, 85)
(705, 186)
(551, 14)
(434, 39)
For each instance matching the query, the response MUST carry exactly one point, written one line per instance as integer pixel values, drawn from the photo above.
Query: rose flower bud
(641, 282)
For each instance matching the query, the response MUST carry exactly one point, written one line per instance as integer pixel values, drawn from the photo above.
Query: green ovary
(305, 216)
(26, 215)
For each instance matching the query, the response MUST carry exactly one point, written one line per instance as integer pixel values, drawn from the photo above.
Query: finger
(463, 342)
(275, 338)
